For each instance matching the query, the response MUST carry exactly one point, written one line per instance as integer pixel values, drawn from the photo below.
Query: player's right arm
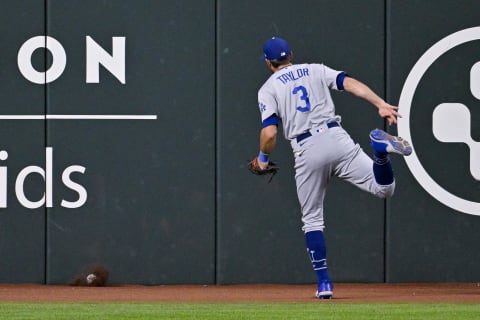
(361, 90)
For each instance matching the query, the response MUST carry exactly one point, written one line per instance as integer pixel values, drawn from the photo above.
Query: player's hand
(389, 112)
(270, 168)
(262, 165)
(257, 165)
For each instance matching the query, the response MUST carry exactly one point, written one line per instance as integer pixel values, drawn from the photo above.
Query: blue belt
(307, 134)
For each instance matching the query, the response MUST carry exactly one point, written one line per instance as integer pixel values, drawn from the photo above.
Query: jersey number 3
(303, 97)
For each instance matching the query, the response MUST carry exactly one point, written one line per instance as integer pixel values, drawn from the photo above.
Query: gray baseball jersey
(300, 96)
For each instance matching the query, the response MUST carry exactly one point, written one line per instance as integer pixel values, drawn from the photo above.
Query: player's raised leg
(383, 144)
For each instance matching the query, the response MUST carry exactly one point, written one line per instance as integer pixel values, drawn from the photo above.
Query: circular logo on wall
(451, 121)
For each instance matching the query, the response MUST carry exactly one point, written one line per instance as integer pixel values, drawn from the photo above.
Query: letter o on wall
(24, 59)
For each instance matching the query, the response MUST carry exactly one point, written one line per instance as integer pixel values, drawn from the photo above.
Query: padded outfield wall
(131, 149)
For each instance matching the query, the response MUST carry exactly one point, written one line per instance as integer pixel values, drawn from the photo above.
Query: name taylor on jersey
(292, 76)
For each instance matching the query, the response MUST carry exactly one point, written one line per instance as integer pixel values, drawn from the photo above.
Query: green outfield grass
(321, 310)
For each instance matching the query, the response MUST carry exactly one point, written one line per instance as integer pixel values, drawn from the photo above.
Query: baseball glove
(271, 169)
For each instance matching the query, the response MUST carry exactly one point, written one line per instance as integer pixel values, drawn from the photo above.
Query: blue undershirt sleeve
(341, 76)
(272, 120)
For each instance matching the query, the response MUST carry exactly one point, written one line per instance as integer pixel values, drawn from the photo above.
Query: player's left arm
(268, 140)
(361, 90)
(261, 165)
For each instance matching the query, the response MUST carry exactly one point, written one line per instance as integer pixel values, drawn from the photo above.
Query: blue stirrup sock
(317, 251)
(382, 168)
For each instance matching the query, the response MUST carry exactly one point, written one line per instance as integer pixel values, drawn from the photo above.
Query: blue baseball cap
(276, 49)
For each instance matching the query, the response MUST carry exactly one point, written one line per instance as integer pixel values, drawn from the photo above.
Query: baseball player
(298, 96)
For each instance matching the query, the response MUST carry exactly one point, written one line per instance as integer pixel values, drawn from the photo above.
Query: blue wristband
(263, 157)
